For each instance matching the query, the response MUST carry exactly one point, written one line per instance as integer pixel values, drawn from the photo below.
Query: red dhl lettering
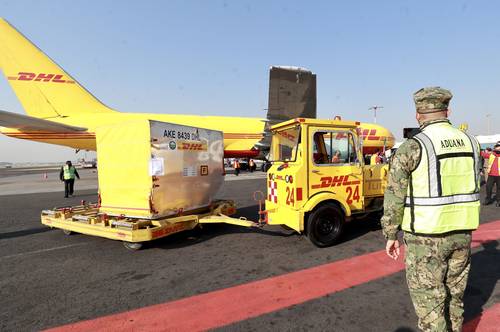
(369, 134)
(341, 136)
(336, 181)
(192, 146)
(42, 77)
(286, 135)
(166, 231)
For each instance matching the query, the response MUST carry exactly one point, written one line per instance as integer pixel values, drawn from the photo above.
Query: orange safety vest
(494, 164)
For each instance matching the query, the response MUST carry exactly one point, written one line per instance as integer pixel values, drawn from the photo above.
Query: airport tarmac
(222, 277)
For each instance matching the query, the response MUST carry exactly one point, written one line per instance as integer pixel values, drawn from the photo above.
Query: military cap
(432, 99)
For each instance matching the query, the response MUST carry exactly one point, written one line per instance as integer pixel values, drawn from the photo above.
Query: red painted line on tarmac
(488, 321)
(230, 305)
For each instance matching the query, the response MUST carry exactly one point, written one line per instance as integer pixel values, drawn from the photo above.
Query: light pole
(488, 116)
(375, 108)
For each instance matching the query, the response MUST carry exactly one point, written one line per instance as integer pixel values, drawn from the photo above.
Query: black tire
(325, 225)
(67, 232)
(133, 246)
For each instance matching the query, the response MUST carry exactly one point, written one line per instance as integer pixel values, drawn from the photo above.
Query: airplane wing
(29, 123)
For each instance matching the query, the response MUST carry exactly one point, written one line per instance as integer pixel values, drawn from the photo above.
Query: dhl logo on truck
(336, 181)
(42, 77)
(286, 135)
(342, 180)
(191, 146)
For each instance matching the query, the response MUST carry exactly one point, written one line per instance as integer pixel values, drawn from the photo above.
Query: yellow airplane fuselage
(240, 133)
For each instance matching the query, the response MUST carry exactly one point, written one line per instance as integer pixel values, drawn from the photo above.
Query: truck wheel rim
(326, 226)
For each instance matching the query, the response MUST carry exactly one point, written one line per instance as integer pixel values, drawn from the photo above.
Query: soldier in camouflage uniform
(437, 265)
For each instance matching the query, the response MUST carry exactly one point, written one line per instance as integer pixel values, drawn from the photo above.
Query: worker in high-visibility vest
(68, 174)
(236, 165)
(433, 196)
(251, 165)
(485, 154)
(493, 171)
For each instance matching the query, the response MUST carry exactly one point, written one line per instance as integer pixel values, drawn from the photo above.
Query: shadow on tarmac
(208, 232)
(483, 277)
(352, 230)
(357, 228)
(25, 232)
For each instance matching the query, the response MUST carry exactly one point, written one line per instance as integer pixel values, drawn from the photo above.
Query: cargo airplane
(61, 111)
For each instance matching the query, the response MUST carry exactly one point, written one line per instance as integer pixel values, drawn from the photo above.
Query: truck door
(334, 164)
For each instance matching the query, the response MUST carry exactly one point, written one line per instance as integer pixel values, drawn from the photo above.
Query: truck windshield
(284, 144)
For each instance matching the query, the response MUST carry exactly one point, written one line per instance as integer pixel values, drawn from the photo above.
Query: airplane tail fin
(292, 94)
(44, 89)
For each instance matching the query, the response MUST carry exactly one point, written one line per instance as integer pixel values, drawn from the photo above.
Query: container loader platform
(155, 179)
(134, 232)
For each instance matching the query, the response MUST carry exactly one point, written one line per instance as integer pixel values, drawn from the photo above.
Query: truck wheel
(132, 245)
(67, 232)
(325, 225)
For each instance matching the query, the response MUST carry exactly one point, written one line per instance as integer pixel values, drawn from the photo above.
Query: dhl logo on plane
(42, 77)
(369, 134)
(336, 181)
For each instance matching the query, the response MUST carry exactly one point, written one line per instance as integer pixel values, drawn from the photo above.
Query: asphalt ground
(48, 279)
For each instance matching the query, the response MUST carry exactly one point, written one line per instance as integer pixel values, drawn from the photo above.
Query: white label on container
(156, 166)
(189, 171)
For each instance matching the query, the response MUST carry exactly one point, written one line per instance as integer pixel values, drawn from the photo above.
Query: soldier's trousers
(437, 269)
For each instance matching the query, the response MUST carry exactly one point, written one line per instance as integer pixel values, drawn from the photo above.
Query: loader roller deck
(87, 219)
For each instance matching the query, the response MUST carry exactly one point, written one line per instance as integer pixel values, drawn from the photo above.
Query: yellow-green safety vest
(443, 191)
(69, 172)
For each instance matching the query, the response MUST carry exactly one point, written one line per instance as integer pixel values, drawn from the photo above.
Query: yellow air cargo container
(151, 169)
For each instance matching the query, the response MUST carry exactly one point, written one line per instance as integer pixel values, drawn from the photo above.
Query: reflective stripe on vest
(426, 143)
(69, 172)
(445, 200)
(443, 193)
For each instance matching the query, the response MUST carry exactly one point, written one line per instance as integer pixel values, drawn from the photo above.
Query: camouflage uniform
(437, 266)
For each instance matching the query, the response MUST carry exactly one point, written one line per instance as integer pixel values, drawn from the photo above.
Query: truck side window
(320, 153)
(333, 148)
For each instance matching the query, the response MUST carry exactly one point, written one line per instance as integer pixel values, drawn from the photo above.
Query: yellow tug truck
(318, 179)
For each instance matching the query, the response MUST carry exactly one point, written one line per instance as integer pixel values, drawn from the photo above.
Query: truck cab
(318, 179)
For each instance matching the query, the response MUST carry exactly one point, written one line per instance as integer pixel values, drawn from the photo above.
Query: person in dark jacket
(67, 175)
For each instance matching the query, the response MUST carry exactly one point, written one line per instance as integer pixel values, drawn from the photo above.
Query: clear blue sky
(213, 57)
